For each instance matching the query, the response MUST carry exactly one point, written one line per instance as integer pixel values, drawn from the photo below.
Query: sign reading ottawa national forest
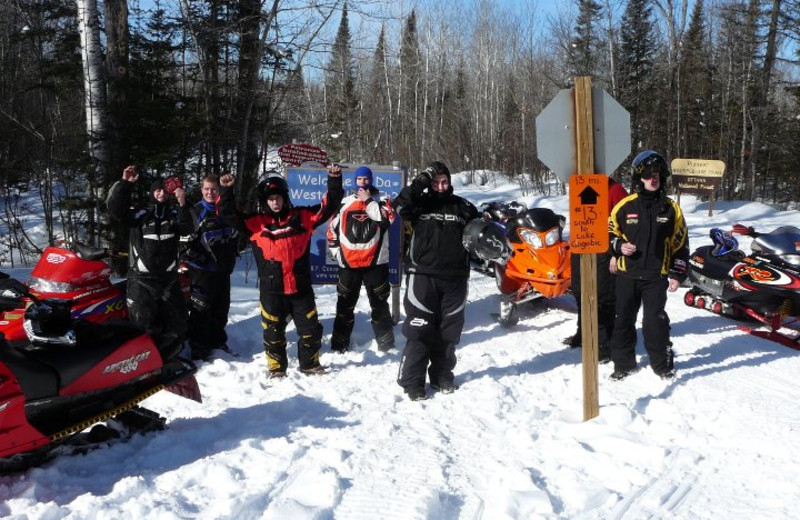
(697, 175)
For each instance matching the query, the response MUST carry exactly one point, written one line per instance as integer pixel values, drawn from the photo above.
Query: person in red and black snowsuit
(359, 242)
(436, 289)
(280, 238)
(650, 243)
(211, 256)
(154, 296)
(606, 293)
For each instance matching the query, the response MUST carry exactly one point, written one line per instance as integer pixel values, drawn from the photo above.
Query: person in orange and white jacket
(359, 242)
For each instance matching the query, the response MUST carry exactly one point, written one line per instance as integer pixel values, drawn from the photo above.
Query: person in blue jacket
(211, 256)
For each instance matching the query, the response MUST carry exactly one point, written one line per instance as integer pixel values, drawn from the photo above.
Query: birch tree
(95, 104)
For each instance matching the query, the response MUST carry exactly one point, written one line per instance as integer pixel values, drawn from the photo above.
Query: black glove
(424, 178)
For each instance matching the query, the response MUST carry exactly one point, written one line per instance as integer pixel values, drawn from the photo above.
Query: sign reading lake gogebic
(697, 175)
(588, 213)
(297, 154)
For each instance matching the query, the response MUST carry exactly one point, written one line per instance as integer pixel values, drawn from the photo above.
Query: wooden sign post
(584, 141)
(579, 133)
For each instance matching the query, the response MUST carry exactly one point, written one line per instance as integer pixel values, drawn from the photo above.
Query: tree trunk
(96, 106)
(116, 17)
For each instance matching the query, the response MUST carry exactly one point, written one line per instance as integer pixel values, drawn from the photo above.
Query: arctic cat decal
(127, 365)
(55, 258)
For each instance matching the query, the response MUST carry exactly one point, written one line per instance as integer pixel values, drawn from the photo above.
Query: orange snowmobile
(539, 266)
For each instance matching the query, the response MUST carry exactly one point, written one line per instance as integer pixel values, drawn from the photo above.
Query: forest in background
(192, 87)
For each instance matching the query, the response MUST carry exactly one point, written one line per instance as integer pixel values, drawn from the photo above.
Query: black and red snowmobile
(68, 375)
(763, 285)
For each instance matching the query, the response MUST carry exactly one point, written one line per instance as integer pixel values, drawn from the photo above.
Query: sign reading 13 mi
(588, 213)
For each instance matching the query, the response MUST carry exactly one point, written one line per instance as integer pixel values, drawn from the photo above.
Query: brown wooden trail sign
(698, 176)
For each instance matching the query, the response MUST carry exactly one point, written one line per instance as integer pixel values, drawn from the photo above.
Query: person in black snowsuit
(436, 287)
(211, 256)
(154, 296)
(650, 243)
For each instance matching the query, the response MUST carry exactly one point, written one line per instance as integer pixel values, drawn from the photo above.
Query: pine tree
(410, 76)
(696, 99)
(377, 107)
(637, 52)
(340, 91)
(586, 44)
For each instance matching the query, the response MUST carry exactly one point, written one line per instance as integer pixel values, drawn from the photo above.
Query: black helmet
(646, 164)
(273, 186)
(486, 240)
(438, 168)
(494, 210)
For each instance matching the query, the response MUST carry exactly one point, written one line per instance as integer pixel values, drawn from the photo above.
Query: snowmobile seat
(96, 341)
(36, 380)
(715, 266)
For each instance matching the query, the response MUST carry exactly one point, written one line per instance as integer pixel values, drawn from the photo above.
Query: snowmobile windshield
(538, 227)
(540, 219)
(48, 286)
(783, 241)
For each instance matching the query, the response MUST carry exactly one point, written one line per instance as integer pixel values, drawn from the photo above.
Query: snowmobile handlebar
(92, 253)
(748, 231)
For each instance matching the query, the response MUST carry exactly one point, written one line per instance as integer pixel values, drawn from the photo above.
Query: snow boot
(619, 374)
(445, 387)
(574, 341)
(416, 394)
(314, 371)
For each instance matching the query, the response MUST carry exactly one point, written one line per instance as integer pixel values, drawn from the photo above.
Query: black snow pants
(209, 304)
(275, 308)
(434, 310)
(651, 295)
(156, 304)
(606, 296)
(376, 281)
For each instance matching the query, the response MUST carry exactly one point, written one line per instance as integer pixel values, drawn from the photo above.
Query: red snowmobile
(68, 374)
(539, 266)
(764, 285)
(77, 274)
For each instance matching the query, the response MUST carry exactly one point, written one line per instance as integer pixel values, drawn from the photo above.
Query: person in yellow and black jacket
(280, 238)
(650, 243)
(359, 242)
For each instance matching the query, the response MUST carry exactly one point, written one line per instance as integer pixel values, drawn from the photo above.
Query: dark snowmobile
(69, 375)
(764, 285)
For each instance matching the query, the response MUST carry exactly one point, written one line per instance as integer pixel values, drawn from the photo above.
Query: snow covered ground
(717, 442)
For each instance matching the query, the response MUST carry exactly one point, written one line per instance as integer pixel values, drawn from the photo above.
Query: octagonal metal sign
(555, 134)
(612, 132)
